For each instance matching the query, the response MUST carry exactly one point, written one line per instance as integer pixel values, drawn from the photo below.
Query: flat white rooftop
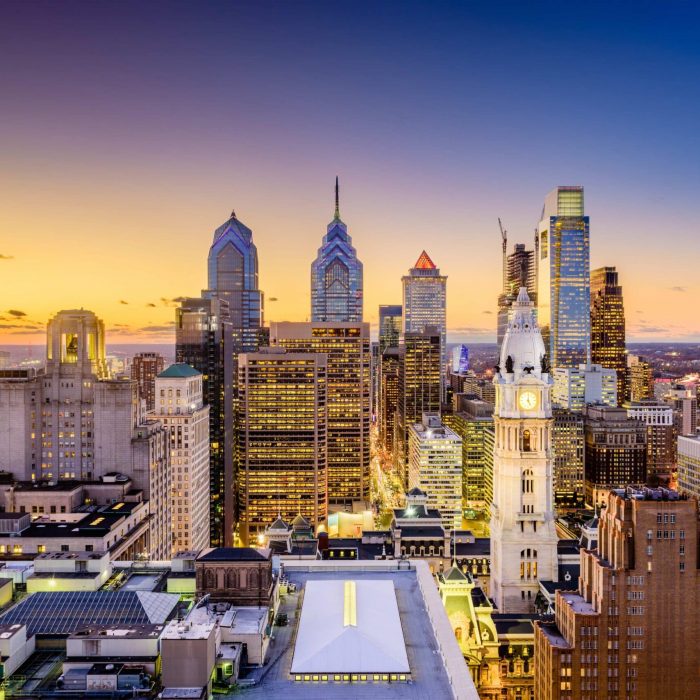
(350, 626)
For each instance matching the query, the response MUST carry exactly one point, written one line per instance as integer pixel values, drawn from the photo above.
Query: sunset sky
(129, 131)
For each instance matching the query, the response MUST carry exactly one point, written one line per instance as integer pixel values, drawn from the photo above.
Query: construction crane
(504, 239)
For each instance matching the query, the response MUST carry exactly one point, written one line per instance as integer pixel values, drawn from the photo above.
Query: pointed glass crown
(424, 262)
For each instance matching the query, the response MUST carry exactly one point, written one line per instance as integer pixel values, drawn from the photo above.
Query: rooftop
(180, 370)
(235, 554)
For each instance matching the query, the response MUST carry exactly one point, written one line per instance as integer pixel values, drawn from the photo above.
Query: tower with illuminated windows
(523, 535)
(336, 275)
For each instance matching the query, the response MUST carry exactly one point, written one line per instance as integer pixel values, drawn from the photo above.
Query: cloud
(16, 314)
(172, 302)
(678, 289)
(29, 331)
(157, 329)
(470, 329)
(6, 257)
(22, 326)
(272, 299)
(126, 303)
(153, 306)
(487, 312)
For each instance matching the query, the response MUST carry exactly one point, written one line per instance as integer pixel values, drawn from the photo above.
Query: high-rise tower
(608, 325)
(563, 294)
(424, 299)
(233, 277)
(519, 271)
(336, 275)
(523, 535)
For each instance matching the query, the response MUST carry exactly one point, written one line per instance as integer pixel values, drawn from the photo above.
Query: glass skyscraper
(233, 277)
(424, 299)
(336, 275)
(563, 296)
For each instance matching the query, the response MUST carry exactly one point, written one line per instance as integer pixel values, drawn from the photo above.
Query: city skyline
(115, 167)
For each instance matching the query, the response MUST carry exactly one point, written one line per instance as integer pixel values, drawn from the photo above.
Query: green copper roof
(179, 370)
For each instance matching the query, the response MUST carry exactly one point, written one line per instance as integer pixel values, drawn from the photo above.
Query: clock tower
(523, 534)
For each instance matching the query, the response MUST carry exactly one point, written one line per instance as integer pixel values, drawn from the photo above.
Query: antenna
(504, 240)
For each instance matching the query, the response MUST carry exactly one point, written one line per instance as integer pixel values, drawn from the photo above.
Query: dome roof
(523, 340)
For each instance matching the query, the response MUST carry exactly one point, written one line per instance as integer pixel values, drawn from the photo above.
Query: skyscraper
(563, 270)
(281, 436)
(435, 466)
(523, 534)
(336, 275)
(628, 629)
(145, 367)
(233, 277)
(420, 385)
(574, 387)
(568, 449)
(179, 406)
(424, 299)
(519, 271)
(608, 325)
(390, 326)
(346, 346)
(203, 339)
(640, 379)
(389, 397)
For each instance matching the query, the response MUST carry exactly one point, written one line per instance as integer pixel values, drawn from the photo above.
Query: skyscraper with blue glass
(563, 271)
(336, 275)
(233, 276)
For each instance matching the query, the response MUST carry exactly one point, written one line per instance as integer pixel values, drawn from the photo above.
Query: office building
(181, 409)
(233, 276)
(523, 535)
(684, 402)
(563, 271)
(615, 451)
(519, 270)
(389, 397)
(390, 326)
(347, 348)
(203, 340)
(420, 384)
(472, 420)
(640, 379)
(281, 439)
(661, 436)
(574, 387)
(336, 275)
(629, 628)
(435, 467)
(608, 340)
(568, 447)
(689, 465)
(424, 299)
(145, 367)
(460, 359)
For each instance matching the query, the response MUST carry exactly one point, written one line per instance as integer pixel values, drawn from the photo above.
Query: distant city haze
(118, 165)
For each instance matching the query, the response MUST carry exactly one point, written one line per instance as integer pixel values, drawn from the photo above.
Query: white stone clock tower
(523, 535)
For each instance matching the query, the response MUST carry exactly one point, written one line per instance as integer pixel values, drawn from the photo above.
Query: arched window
(528, 484)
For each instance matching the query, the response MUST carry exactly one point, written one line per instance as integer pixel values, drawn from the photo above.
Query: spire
(337, 200)
(424, 262)
(233, 213)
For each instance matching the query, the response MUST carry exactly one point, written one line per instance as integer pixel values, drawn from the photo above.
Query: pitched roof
(279, 524)
(424, 262)
(179, 370)
(415, 491)
(454, 573)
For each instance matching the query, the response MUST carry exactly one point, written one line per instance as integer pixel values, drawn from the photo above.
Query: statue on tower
(509, 364)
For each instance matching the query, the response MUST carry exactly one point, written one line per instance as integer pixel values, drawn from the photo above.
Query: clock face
(527, 400)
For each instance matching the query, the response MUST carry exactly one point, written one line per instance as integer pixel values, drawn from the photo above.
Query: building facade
(204, 340)
(420, 384)
(689, 465)
(336, 275)
(281, 439)
(640, 379)
(425, 299)
(628, 630)
(435, 467)
(615, 451)
(661, 436)
(523, 535)
(180, 407)
(388, 397)
(519, 270)
(563, 271)
(346, 346)
(145, 367)
(574, 387)
(608, 338)
(568, 444)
